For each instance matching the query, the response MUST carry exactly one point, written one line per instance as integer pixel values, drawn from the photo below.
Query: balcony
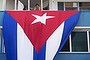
(84, 21)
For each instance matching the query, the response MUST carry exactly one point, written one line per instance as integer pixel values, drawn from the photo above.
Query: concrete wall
(1, 1)
(84, 19)
(64, 56)
(10, 4)
(73, 56)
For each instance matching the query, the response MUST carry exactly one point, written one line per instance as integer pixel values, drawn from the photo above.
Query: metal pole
(70, 42)
(64, 6)
(16, 4)
(41, 4)
(88, 41)
(28, 4)
(78, 6)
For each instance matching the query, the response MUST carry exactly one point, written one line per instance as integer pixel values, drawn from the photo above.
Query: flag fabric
(36, 35)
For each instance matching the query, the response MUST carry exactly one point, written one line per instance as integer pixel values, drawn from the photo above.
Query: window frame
(80, 28)
(29, 1)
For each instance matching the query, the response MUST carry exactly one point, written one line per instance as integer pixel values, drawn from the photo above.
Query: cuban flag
(36, 35)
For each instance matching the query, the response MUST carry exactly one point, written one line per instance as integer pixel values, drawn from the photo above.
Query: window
(71, 6)
(60, 6)
(84, 6)
(67, 6)
(80, 38)
(78, 41)
(25, 4)
(32, 4)
(21, 5)
(45, 4)
(66, 47)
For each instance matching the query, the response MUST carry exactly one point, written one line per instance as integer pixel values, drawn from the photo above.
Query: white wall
(1, 1)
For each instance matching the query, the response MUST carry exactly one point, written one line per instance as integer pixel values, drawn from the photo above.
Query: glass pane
(45, 4)
(79, 42)
(22, 4)
(60, 6)
(66, 47)
(10, 4)
(35, 4)
(84, 6)
(0, 42)
(71, 6)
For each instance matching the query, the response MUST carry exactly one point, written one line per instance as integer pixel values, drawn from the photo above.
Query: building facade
(77, 46)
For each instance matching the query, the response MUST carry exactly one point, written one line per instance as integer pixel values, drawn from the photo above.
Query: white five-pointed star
(41, 19)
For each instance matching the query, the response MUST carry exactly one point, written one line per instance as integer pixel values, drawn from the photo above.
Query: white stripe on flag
(53, 42)
(24, 46)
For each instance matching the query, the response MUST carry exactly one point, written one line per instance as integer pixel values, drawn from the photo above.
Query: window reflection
(66, 47)
(33, 3)
(60, 6)
(71, 6)
(79, 42)
(68, 6)
(45, 4)
(84, 6)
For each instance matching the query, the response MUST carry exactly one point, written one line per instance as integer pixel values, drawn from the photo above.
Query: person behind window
(37, 7)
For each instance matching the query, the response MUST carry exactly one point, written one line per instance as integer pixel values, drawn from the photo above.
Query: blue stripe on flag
(34, 54)
(10, 34)
(40, 55)
(68, 27)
